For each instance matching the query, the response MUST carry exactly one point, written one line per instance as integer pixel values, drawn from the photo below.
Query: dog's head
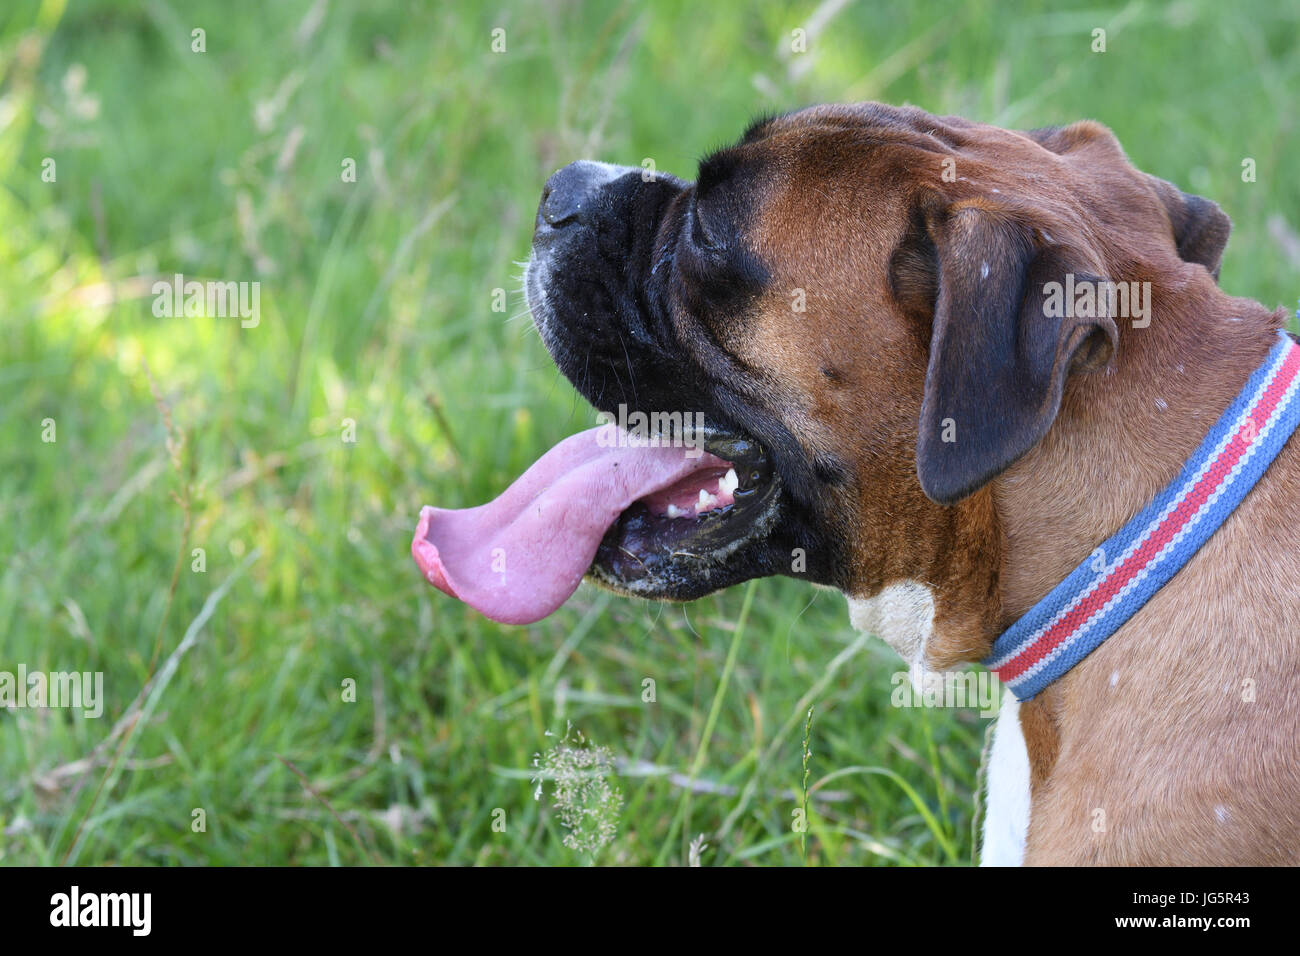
(854, 298)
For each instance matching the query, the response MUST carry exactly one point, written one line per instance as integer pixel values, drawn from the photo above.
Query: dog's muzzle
(571, 205)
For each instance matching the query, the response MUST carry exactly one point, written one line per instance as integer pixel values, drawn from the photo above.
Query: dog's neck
(1124, 433)
(1127, 431)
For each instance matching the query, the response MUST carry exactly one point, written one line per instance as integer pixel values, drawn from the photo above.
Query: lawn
(216, 514)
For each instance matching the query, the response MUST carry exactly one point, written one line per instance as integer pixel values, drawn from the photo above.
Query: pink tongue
(518, 558)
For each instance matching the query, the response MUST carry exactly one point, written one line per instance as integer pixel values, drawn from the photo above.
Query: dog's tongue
(519, 558)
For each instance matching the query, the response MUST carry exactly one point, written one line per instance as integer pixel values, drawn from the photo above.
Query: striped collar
(1125, 571)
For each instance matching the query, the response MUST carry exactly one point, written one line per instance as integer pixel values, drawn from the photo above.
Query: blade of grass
(702, 752)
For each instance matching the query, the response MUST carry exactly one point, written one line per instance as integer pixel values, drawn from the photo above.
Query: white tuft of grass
(584, 798)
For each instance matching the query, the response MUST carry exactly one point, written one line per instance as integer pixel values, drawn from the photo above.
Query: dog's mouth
(662, 542)
(640, 515)
(673, 519)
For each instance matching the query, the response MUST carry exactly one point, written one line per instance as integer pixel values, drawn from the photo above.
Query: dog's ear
(1201, 228)
(1002, 344)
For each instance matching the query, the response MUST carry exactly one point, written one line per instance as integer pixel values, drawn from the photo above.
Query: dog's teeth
(706, 501)
(728, 483)
(675, 512)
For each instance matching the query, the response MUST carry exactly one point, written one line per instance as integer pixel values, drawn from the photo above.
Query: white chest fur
(902, 615)
(1006, 821)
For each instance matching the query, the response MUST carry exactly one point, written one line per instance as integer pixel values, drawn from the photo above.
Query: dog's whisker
(631, 555)
(630, 373)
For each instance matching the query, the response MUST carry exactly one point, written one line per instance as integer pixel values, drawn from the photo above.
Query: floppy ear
(1200, 227)
(1000, 349)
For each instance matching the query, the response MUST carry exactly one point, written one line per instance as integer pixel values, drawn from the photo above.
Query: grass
(227, 688)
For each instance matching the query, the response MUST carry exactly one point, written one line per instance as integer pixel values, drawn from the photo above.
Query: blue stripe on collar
(1129, 567)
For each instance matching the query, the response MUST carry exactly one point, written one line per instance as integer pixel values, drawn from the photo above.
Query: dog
(864, 305)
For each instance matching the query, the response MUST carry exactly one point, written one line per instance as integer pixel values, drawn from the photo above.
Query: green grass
(376, 306)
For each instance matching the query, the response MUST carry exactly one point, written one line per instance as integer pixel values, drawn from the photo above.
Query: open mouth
(643, 518)
(698, 521)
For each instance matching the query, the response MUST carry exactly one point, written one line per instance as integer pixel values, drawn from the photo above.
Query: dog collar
(1129, 567)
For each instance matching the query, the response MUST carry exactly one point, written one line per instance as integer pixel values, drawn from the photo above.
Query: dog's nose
(568, 194)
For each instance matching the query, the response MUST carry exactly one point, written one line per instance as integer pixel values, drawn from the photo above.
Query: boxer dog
(864, 305)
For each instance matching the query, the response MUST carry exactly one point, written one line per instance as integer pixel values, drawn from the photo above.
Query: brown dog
(852, 298)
